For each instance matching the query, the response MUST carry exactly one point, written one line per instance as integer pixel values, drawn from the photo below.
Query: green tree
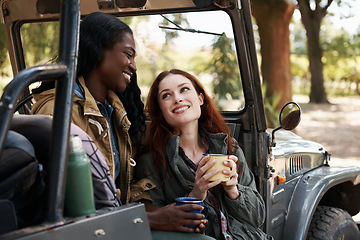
(222, 66)
(175, 19)
(3, 51)
(297, 38)
(152, 57)
(40, 41)
(342, 53)
(312, 14)
(300, 72)
(342, 45)
(273, 19)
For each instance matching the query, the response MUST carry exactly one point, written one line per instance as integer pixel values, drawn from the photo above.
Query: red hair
(159, 131)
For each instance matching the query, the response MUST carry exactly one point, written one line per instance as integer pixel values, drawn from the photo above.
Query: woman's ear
(201, 99)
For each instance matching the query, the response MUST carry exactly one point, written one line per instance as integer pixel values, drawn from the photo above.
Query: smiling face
(118, 64)
(178, 100)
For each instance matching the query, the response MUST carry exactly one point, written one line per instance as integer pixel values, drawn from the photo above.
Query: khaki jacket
(87, 116)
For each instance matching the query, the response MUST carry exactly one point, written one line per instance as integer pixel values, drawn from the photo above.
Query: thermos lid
(75, 144)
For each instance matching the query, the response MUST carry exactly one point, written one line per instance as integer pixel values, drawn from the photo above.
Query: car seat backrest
(22, 185)
(37, 128)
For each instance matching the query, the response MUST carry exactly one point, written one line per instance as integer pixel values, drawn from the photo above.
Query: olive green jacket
(244, 215)
(87, 116)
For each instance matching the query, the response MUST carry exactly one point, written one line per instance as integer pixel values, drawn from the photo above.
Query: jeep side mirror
(289, 118)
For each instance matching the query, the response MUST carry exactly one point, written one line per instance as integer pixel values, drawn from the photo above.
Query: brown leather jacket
(88, 117)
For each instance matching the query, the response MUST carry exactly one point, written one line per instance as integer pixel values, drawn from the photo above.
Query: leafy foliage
(222, 65)
(340, 56)
(40, 41)
(154, 59)
(270, 104)
(3, 51)
(341, 62)
(298, 38)
(178, 19)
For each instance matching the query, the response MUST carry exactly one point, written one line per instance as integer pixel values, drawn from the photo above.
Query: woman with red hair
(185, 125)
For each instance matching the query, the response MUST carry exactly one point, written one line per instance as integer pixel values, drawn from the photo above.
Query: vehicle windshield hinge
(327, 156)
(269, 171)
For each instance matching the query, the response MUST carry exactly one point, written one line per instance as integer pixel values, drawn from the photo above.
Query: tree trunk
(311, 20)
(273, 19)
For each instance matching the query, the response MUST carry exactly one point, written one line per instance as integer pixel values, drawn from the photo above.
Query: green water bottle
(79, 194)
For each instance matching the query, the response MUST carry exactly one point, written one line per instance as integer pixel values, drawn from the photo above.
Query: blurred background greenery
(337, 75)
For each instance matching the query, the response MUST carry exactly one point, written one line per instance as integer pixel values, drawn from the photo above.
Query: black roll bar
(16, 86)
(64, 73)
(68, 50)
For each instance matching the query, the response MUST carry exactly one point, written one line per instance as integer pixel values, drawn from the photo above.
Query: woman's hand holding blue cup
(189, 200)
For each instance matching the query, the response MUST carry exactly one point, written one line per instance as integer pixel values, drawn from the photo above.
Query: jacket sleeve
(145, 169)
(249, 207)
(44, 102)
(45, 107)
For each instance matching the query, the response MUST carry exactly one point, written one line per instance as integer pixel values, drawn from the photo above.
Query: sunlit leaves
(40, 42)
(223, 65)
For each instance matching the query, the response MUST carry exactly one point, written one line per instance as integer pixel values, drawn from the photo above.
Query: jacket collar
(90, 106)
(89, 103)
(217, 144)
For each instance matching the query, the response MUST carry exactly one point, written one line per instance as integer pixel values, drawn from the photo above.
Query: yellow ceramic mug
(219, 164)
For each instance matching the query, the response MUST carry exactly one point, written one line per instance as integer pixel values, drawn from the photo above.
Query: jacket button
(216, 220)
(149, 185)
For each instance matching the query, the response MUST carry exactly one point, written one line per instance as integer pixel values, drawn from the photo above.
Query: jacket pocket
(245, 231)
(139, 190)
(255, 233)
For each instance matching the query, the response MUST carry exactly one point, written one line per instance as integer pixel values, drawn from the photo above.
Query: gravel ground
(336, 126)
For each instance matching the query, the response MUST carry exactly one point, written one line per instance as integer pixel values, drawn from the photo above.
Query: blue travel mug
(190, 200)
